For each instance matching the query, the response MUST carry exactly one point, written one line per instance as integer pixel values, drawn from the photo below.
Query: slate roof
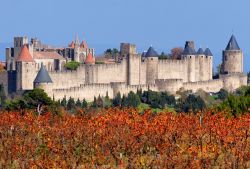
(43, 76)
(208, 52)
(200, 51)
(189, 51)
(232, 44)
(151, 53)
(25, 55)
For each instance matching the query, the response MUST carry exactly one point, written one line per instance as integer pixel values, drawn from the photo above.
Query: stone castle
(34, 65)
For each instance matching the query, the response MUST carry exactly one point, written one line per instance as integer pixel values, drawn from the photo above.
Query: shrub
(72, 65)
(132, 100)
(222, 94)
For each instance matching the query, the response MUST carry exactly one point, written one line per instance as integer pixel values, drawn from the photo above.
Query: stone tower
(208, 64)
(133, 64)
(151, 66)
(89, 71)
(19, 42)
(25, 70)
(189, 54)
(202, 64)
(232, 59)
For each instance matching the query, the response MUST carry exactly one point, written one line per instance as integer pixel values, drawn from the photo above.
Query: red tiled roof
(72, 45)
(84, 45)
(47, 55)
(25, 55)
(90, 59)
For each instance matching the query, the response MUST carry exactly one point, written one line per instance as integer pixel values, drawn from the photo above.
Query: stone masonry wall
(172, 69)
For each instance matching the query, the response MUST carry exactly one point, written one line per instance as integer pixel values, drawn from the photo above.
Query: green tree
(191, 103)
(99, 102)
(166, 100)
(163, 56)
(107, 102)
(223, 94)
(64, 102)
(132, 100)
(111, 53)
(36, 98)
(72, 65)
(94, 104)
(78, 103)
(117, 101)
(84, 103)
(71, 104)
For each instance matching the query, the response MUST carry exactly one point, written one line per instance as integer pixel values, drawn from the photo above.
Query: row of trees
(155, 100)
(236, 103)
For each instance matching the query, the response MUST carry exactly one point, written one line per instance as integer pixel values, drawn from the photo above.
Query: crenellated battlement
(172, 61)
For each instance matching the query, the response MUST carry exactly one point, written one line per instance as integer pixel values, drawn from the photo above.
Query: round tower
(189, 54)
(202, 64)
(209, 64)
(232, 59)
(151, 66)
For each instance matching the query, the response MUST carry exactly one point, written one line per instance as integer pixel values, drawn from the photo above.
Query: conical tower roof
(200, 51)
(232, 44)
(188, 51)
(25, 55)
(151, 52)
(89, 59)
(43, 76)
(72, 45)
(208, 52)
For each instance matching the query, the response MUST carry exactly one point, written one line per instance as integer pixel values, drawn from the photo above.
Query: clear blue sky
(105, 23)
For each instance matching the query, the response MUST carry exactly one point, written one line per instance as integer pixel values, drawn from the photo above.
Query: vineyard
(124, 138)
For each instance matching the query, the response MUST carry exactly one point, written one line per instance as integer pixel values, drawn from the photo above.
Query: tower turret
(43, 80)
(90, 60)
(25, 67)
(189, 54)
(151, 66)
(232, 59)
(208, 64)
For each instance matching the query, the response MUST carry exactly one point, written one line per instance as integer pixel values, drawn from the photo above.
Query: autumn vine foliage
(115, 138)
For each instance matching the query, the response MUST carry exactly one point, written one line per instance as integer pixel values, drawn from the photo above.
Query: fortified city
(34, 65)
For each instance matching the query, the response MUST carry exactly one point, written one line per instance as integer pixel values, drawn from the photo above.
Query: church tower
(77, 50)
(232, 59)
